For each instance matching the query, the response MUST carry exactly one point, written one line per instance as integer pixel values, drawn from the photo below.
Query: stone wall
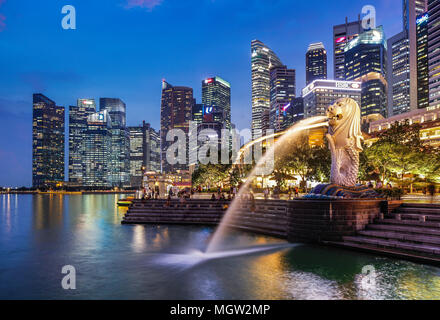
(329, 220)
(296, 220)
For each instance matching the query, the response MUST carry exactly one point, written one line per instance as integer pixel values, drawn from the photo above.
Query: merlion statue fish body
(345, 141)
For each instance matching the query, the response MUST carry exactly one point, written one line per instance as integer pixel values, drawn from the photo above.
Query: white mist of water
(292, 133)
(195, 257)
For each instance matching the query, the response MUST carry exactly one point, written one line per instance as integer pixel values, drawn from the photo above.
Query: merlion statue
(344, 136)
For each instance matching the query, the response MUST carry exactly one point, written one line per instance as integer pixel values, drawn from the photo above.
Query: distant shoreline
(70, 192)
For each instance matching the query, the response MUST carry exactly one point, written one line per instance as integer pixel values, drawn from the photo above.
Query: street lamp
(143, 174)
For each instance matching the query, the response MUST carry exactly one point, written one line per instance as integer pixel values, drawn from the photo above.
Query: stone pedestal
(329, 220)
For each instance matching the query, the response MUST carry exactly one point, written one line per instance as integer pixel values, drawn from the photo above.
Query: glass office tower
(47, 142)
(77, 127)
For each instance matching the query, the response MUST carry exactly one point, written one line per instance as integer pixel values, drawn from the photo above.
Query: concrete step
(406, 229)
(416, 216)
(256, 224)
(421, 239)
(395, 244)
(421, 205)
(417, 210)
(427, 224)
(170, 215)
(277, 219)
(174, 210)
(271, 232)
(144, 221)
(189, 211)
(176, 206)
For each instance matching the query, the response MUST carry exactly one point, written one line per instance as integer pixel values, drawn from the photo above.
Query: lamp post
(143, 176)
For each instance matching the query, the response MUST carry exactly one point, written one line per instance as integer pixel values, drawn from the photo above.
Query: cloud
(2, 18)
(13, 108)
(39, 81)
(2, 22)
(148, 4)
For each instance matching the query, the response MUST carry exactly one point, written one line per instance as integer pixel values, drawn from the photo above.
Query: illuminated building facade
(403, 54)
(263, 59)
(98, 150)
(342, 34)
(77, 127)
(366, 61)
(399, 94)
(316, 62)
(120, 150)
(47, 142)
(217, 92)
(434, 52)
(282, 91)
(175, 113)
(321, 93)
(136, 155)
(428, 118)
(207, 118)
(422, 61)
(144, 152)
(197, 112)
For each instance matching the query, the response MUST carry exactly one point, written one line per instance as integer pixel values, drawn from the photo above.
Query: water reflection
(139, 240)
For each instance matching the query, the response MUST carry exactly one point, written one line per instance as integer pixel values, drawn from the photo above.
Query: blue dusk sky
(124, 48)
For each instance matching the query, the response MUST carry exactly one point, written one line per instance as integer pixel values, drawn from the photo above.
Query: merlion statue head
(345, 123)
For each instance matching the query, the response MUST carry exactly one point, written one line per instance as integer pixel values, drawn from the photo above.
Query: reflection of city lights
(139, 242)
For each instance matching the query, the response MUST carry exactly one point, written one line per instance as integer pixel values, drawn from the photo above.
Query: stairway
(412, 231)
(269, 217)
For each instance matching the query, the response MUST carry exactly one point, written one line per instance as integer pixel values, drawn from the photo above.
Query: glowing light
(422, 19)
(341, 39)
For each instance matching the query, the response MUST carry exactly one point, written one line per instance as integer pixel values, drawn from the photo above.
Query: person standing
(252, 199)
(431, 190)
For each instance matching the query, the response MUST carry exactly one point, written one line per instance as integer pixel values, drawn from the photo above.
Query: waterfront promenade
(403, 230)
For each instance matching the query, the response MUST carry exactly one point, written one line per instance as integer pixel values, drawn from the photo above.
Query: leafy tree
(295, 157)
(397, 152)
(320, 163)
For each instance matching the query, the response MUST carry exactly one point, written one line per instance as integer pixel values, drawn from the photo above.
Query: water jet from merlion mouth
(291, 134)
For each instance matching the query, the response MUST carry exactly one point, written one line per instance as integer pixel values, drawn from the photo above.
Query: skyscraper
(47, 142)
(342, 34)
(399, 76)
(263, 59)
(366, 61)
(144, 152)
(321, 93)
(316, 62)
(136, 155)
(422, 61)
(217, 92)
(434, 52)
(282, 91)
(197, 112)
(77, 126)
(402, 58)
(175, 113)
(97, 150)
(120, 151)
